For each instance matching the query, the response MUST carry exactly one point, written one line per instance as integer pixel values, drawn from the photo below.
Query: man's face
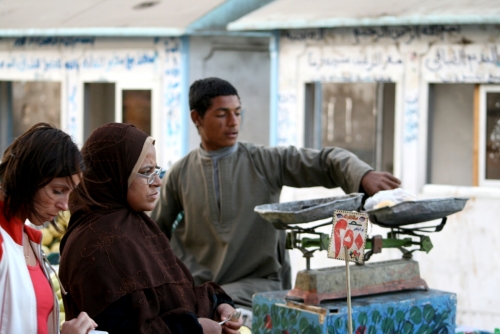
(220, 125)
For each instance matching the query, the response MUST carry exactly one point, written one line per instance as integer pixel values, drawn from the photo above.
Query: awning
(300, 14)
(118, 17)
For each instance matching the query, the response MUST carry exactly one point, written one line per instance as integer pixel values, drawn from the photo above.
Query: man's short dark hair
(203, 91)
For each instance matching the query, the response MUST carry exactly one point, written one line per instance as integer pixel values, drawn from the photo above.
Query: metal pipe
(348, 283)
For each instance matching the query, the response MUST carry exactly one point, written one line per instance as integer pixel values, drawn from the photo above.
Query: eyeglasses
(151, 177)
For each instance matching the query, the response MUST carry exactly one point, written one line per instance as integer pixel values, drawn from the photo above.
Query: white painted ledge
(433, 190)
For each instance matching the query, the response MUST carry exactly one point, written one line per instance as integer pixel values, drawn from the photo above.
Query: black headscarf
(110, 250)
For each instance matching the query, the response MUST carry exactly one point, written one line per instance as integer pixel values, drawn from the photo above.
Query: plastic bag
(388, 198)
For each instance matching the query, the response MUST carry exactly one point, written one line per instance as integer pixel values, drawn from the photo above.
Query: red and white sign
(349, 230)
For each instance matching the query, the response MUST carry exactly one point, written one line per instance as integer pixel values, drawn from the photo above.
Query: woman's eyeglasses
(151, 177)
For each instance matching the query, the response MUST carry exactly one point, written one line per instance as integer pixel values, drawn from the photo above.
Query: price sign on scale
(348, 231)
(347, 243)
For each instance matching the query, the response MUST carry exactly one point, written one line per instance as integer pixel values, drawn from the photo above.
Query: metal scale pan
(297, 212)
(419, 211)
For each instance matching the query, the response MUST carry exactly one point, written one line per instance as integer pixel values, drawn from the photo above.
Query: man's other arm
(168, 205)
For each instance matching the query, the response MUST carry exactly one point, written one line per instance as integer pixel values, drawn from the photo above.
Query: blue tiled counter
(420, 312)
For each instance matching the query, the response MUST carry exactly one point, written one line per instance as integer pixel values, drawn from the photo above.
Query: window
(25, 103)
(450, 144)
(98, 105)
(489, 136)
(464, 135)
(356, 116)
(136, 105)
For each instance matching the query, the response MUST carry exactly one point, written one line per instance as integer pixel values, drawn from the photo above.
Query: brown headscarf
(110, 250)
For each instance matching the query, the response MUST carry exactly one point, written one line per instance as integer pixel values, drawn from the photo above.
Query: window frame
(483, 90)
(313, 118)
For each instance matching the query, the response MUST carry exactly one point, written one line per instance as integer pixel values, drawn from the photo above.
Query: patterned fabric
(110, 251)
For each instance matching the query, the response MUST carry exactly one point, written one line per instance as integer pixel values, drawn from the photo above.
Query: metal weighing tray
(281, 214)
(413, 212)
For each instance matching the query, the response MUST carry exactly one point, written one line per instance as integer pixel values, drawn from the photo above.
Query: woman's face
(142, 196)
(53, 198)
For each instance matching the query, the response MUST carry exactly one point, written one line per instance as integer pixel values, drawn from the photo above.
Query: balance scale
(312, 286)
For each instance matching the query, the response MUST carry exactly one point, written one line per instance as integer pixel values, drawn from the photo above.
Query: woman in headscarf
(116, 263)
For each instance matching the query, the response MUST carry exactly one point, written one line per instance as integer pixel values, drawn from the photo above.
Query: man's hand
(373, 182)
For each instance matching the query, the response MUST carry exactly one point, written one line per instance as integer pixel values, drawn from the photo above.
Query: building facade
(423, 103)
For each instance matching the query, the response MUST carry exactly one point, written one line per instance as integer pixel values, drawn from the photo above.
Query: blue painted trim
(10, 114)
(230, 33)
(123, 32)
(274, 45)
(185, 119)
(6, 118)
(226, 12)
(5, 115)
(139, 32)
(296, 23)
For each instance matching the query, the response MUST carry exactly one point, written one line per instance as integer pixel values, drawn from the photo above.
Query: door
(137, 103)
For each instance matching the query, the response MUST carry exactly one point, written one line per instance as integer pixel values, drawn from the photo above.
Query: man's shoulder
(193, 154)
(183, 164)
(253, 147)
(259, 149)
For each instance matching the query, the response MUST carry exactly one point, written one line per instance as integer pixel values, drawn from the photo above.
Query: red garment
(44, 297)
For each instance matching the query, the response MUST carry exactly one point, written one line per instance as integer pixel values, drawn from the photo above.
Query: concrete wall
(462, 260)
(244, 62)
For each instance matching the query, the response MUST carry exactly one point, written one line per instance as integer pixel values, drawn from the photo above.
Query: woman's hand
(230, 327)
(209, 326)
(80, 325)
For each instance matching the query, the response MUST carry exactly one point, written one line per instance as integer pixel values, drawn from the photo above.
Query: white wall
(146, 63)
(463, 258)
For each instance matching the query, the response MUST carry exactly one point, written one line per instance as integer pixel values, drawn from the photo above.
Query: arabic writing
(353, 77)
(72, 109)
(172, 108)
(286, 106)
(301, 35)
(397, 33)
(125, 61)
(411, 119)
(366, 62)
(455, 58)
(473, 78)
(26, 63)
(53, 41)
(128, 61)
